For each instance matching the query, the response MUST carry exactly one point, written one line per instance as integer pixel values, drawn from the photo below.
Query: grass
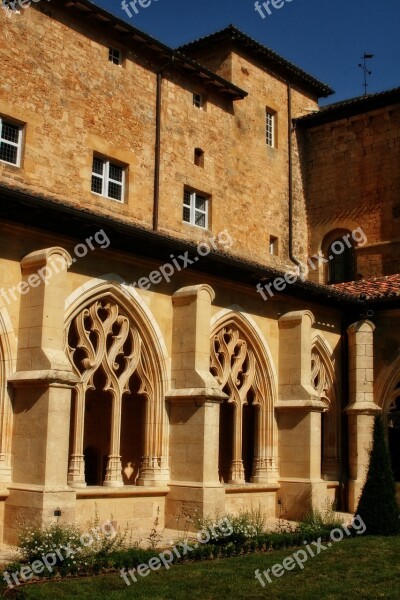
(366, 568)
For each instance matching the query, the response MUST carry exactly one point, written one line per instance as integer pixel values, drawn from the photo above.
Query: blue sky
(324, 37)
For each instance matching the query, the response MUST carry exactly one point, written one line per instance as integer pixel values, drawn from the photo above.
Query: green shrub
(377, 506)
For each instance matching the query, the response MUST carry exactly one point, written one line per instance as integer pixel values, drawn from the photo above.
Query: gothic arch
(8, 353)
(388, 397)
(115, 339)
(241, 363)
(386, 384)
(324, 381)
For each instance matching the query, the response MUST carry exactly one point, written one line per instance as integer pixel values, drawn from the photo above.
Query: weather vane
(366, 71)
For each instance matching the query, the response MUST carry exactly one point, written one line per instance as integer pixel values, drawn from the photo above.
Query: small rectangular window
(10, 142)
(115, 56)
(273, 245)
(199, 157)
(198, 100)
(195, 209)
(108, 179)
(270, 128)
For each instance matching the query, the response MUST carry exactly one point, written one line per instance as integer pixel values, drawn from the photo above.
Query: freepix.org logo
(266, 6)
(135, 6)
(279, 284)
(15, 5)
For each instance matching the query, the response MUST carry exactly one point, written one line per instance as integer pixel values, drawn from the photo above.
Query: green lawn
(367, 568)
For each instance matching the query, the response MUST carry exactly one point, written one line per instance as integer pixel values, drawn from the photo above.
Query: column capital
(295, 318)
(42, 257)
(362, 326)
(191, 292)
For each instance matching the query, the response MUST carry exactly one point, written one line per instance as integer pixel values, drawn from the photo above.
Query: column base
(265, 471)
(153, 472)
(114, 472)
(237, 472)
(76, 471)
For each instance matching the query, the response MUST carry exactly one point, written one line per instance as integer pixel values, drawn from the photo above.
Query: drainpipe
(290, 151)
(157, 160)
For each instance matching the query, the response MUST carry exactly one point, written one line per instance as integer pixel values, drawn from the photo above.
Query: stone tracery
(237, 367)
(107, 351)
(323, 382)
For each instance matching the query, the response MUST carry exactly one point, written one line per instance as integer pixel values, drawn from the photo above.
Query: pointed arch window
(247, 450)
(323, 382)
(117, 428)
(393, 422)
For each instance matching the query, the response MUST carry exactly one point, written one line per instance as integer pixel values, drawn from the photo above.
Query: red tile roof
(375, 288)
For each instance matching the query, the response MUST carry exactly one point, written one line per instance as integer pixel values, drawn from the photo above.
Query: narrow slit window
(270, 128)
(199, 157)
(273, 245)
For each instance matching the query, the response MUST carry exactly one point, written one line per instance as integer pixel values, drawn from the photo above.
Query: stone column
(76, 472)
(299, 419)
(194, 409)
(237, 469)
(114, 467)
(361, 408)
(7, 367)
(265, 465)
(42, 396)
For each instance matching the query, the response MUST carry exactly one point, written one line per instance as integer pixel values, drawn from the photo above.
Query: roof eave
(161, 50)
(296, 75)
(350, 108)
(51, 214)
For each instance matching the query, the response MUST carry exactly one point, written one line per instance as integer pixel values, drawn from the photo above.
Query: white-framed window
(115, 56)
(198, 100)
(270, 128)
(108, 179)
(195, 209)
(10, 142)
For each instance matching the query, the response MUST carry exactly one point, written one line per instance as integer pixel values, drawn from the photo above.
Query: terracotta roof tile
(374, 288)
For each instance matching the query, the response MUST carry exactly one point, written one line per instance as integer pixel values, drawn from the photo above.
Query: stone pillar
(361, 408)
(194, 409)
(114, 467)
(7, 367)
(237, 469)
(42, 396)
(76, 472)
(299, 419)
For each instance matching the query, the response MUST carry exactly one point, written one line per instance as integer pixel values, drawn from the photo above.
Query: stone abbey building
(167, 339)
